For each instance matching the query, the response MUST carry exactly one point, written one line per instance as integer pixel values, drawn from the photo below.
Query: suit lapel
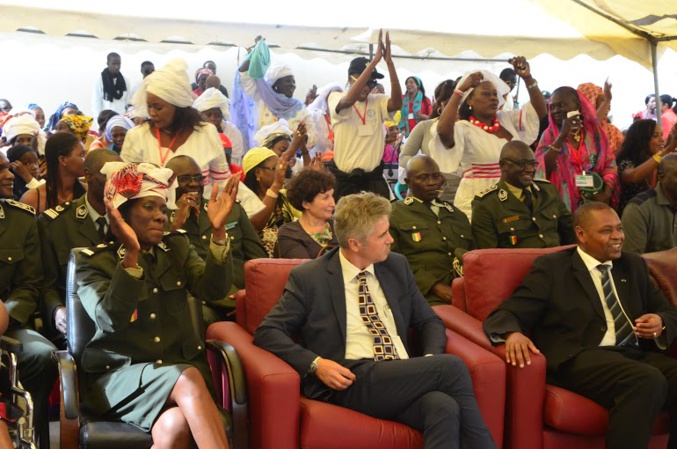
(583, 276)
(337, 291)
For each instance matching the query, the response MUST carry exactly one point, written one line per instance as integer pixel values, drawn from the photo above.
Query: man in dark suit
(351, 310)
(602, 325)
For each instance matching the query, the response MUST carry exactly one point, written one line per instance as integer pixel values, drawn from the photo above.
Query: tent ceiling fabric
(530, 27)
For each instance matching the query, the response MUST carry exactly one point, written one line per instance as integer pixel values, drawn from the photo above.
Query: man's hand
(188, 201)
(443, 291)
(60, 319)
(649, 325)
(517, 347)
(333, 375)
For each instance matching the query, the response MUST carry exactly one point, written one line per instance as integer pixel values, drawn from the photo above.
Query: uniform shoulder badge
(89, 252)
(21, 206)
(54, 212)
(408, 200)
(447, 206)
(487, 191)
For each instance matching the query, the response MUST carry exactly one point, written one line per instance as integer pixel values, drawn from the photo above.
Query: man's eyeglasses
(523, 164)
(185, 179)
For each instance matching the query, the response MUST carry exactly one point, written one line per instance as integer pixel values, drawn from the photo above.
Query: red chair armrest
(464, 324)
(273, 389)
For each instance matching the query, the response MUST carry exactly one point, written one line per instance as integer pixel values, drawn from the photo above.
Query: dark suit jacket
(558, 304)
(313, 308)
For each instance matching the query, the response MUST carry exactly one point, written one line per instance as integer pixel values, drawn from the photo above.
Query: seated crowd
(172, 197)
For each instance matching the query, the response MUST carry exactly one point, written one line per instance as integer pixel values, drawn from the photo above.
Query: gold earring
(258, 179)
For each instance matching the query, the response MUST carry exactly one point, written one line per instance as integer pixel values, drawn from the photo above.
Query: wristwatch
(313, 366)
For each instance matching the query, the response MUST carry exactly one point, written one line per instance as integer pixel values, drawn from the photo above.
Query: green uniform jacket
(20, 265)
(245, 243)
(430, 243)
(501, 220)
(146, 320)
(62, 228)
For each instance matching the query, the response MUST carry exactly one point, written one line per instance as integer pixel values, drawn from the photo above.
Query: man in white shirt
(352, 309)
(111, 89)
(601, 324)
(357, 118)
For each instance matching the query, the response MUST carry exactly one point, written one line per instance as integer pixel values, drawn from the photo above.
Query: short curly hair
(307, 184)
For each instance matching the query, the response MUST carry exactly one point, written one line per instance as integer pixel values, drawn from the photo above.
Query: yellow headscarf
(79, 124)
(254, 157)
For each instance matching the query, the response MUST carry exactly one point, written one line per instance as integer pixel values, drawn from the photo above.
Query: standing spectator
(473, 128)
(416, 107)
(649, 112)
(110, 89)
(215, 109)
(211, 65)
(650, 218)
(574, 152)
(668, 115)
(147, 68)
(639, 157)
(175, 127)
(419, 140)
(357, 118)
(601, 99)
(509, 77)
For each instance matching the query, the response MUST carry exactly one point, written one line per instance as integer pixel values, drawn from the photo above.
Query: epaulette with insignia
(487, 191)
(21, 206)
(408, 200)
(56, 210)
(543, 181)
(89, 252)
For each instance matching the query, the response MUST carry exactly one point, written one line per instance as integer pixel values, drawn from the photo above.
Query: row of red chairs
(519, 407)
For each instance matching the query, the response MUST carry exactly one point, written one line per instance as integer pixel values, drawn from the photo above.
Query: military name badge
(135, 316)
(511, 219)
(502, 195)
(416, 236)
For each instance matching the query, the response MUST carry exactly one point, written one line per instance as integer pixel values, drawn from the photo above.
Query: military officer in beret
(20, 279)
(430, 233)
(74, 224)
(520, 211)
(191, 216)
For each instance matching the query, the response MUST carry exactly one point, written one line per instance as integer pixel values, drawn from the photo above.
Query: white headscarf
(498, 83)
(20, 110)
(275, 72)
(320, 103)
(126, 181)
(25, 124)
(268, 133)
(171, 83)
(117, 120)
(213, 98)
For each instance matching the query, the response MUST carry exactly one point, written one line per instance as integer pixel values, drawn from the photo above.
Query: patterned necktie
(101, 221)
(528, 199)
(384, 349)
(624, 333)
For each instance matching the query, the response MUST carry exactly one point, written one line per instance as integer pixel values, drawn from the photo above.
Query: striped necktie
(624, 334)
(384, 349)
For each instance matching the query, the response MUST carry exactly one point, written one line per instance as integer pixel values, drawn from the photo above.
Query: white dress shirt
(359, 342)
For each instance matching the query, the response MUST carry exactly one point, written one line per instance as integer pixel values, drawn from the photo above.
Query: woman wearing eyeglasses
(175, 128)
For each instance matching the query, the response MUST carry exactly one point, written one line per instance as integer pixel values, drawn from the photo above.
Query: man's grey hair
(356, 215)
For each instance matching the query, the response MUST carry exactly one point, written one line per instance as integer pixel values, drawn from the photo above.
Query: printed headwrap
(127, 181)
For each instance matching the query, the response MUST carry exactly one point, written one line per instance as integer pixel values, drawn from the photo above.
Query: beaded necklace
(495, 126)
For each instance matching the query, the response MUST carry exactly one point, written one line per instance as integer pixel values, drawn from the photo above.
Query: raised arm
(395, 101)
(449, 117)
(536, 97)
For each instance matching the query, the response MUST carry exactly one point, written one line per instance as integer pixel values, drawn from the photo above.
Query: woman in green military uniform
(146, 364)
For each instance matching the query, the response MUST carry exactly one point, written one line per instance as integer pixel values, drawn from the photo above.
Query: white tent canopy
(318, 39)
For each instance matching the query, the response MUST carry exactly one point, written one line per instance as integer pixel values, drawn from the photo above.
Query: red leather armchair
(538, 415)
(281, 418)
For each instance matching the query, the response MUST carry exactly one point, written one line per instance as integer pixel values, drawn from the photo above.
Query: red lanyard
(163, 158)
(576, 153)
(362, 117)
